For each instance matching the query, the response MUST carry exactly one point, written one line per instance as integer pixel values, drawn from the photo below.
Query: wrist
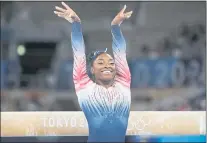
(116, 22)
(75, 18)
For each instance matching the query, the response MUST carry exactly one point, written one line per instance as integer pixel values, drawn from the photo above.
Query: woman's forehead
(104, 56)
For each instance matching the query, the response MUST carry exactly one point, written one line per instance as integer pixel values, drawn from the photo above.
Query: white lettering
(44, 121)
(51, 122)
(59, 123)
(66, 121)
(31, 131)
(73, 122)
(47, 133)
(82, 123)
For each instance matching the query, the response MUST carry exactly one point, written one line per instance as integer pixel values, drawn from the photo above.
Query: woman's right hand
(67, 13)
(121, 16)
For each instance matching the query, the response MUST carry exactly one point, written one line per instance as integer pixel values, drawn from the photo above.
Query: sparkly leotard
(106, 109)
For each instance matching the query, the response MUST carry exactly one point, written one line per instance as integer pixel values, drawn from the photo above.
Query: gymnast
(105, 98)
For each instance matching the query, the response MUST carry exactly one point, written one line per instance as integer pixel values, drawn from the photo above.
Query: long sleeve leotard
(106, 109)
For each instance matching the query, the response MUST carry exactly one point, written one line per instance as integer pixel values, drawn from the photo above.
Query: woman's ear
(92, 70)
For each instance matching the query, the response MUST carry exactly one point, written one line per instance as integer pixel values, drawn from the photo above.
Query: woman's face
(103, 68)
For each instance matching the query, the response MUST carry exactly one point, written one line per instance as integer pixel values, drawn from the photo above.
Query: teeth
(106, 71)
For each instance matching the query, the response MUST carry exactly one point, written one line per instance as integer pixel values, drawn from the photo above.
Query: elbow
(129, 78)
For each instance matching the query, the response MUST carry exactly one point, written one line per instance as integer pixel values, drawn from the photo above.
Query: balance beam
(74, 123)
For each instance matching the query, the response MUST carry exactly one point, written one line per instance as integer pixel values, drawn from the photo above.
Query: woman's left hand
(67, 13)
(121, 16)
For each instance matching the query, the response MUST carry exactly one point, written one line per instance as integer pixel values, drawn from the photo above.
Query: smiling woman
(105, 100)
(102, 68)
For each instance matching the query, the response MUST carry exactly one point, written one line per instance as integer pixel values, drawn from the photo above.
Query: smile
(107, 72)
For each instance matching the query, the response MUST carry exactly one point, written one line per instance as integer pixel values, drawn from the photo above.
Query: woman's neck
(105, 84)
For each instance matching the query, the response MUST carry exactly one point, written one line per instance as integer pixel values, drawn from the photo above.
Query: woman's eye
(112, 63)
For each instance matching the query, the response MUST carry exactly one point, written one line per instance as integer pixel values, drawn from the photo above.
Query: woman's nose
(107, 65)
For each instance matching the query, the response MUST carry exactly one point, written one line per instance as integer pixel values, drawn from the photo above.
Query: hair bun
(90, 57)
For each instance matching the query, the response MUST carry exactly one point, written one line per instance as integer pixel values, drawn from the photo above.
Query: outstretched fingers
(60, 9)
(66, 6)
(66, 12)
(128, 14)
(58, 13)
(123, 9)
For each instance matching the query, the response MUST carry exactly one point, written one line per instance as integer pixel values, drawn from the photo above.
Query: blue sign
(149, 72)
(166, 72)
(157, 73)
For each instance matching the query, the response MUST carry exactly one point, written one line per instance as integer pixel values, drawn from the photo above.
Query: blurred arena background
(166, 49)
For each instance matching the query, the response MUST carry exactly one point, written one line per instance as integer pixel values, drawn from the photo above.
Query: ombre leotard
(106, 109)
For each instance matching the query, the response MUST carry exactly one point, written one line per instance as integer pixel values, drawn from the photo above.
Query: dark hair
(93, 55)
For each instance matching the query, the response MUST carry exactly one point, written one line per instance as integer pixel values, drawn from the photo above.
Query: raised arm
(80, 77)
(119, 49)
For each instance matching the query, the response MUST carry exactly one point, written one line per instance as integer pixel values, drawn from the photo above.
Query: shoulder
(88, 89)
(122, 88)
(124, 91)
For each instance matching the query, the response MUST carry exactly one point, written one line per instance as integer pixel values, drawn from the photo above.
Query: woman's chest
(106, 98)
